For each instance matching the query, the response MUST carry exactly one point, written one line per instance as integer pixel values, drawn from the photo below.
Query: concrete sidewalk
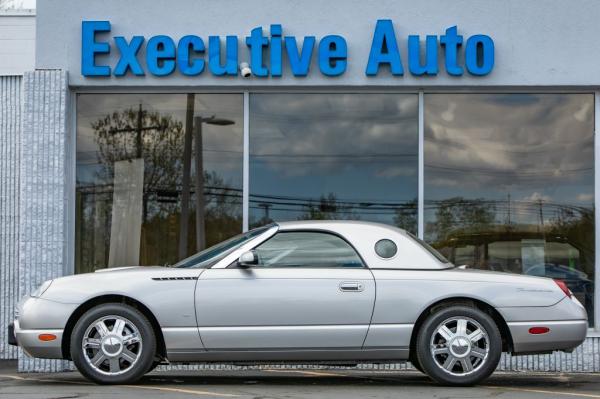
(284, 383)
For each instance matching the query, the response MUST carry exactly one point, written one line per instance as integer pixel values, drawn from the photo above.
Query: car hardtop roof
(323, 224)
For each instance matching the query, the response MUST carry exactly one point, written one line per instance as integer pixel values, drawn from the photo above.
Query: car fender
(167, 293)
(403, 295)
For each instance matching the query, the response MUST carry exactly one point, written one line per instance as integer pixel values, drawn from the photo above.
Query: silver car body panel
(563, 335)
(329, 356)
(283, 308)
(34, 347)
(566, 309)
(388, 336)
(300, 314)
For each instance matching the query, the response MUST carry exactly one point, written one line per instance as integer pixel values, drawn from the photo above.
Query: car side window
(307, 249)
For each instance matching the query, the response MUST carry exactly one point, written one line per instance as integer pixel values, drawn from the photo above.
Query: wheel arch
(112, 298)
(507, 341)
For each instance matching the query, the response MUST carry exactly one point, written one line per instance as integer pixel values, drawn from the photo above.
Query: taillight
(539, 330)
(563, 286)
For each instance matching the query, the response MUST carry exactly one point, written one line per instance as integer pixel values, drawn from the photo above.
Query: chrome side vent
(172, 278)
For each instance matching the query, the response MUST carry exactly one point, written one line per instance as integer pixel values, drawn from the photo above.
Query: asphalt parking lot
(280, 383)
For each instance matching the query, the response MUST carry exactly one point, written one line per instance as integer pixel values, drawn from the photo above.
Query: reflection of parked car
(328, 291)
(577, 281)
(522, 248)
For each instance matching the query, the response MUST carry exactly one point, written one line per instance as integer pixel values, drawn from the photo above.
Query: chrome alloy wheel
(112, 345)
(459, 346)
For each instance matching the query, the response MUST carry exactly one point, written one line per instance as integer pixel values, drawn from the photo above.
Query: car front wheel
(459, 345)
(113, 344)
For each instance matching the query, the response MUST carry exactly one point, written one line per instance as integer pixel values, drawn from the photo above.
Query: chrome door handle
(351, 286)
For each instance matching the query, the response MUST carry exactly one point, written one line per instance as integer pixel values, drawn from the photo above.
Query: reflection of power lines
(296, 204)
(265, 206)
(512, 172)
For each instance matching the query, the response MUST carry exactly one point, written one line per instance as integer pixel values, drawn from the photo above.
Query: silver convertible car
(331, 292)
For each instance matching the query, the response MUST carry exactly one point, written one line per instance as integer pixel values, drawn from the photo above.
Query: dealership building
(137, 133)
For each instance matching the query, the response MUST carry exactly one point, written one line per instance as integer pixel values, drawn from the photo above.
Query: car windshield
(429, 248)
(212, 255)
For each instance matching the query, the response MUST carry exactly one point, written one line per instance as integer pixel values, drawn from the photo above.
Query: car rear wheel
(459, 345)
(113, 344)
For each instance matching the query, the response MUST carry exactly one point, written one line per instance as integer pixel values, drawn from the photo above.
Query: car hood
(127, 281)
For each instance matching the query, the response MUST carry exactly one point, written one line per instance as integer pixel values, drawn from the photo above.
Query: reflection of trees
(221, 214)
(159, 140)
(474, 232)
(476, 224)
(452, 213)
(577, 228)
(406, 217)
(125, 135)
(327, 208)
(331, 207)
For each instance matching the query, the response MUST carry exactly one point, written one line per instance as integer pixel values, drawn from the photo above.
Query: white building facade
(147, 131)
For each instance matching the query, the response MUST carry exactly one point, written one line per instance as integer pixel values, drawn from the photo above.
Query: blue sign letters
(271, 54)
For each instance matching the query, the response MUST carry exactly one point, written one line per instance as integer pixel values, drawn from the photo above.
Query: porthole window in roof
(386, 248)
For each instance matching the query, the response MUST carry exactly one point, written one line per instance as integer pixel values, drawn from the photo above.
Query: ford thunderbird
(316, 292)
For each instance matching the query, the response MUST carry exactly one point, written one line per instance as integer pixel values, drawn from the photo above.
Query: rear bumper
(563, 335)
(29, 341)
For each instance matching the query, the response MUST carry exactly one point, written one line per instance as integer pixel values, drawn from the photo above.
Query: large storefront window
(137, 162)
(509, 184)
(334, 156)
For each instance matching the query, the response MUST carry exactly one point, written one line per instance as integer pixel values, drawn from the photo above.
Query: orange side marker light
(46, 337)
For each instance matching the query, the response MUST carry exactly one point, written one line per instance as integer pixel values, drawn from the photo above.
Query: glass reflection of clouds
(351, 156)
(509, 183)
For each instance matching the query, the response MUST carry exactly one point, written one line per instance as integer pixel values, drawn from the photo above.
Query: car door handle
(351, 286)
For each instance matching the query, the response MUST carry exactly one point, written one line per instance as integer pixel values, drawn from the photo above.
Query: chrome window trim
(232, 257)
(364, 264)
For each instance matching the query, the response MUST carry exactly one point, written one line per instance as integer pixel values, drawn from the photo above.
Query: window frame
(235, 265)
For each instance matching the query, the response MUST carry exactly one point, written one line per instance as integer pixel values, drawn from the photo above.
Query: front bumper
(29, 341)
(41, 316)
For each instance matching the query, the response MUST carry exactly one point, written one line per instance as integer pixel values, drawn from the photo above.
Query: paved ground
(295, 384)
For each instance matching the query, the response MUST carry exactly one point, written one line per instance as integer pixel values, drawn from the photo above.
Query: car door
(308, 290)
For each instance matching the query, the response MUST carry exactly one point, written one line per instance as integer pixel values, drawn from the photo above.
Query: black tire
(145, 352)
(415, 363)
(154, 365)
(459, 375)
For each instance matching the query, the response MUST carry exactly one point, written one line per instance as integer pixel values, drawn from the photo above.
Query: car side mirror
(247, 259)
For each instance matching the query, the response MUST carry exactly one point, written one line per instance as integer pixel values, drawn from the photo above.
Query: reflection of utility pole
(138, 137)
(200, 202)
(194, 125)
(508, 209)
(541, 214)
(199, 189)
(185, 184)
(266, 206)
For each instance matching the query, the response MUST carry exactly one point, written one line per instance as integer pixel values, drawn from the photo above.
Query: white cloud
(582, 114)
(448, 115)
(535, 197)
(583, 197)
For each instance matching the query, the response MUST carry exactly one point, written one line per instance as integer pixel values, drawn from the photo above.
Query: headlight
(41, 289)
